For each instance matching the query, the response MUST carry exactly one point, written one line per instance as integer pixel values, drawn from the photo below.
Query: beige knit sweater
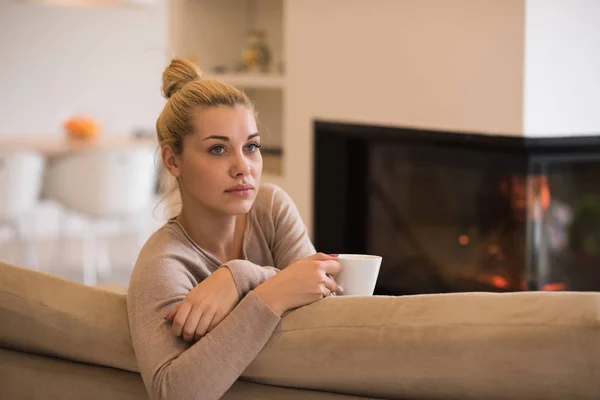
(171, 264)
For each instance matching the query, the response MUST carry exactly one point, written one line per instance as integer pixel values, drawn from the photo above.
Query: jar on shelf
(256, 55)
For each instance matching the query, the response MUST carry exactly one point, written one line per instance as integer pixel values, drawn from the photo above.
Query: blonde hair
(186, 92)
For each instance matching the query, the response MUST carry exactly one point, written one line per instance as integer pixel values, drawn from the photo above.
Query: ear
(171, 161)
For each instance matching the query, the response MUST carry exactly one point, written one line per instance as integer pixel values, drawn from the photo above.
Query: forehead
(224, 121)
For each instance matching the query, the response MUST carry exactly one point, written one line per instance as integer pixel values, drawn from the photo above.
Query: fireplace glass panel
(453, 212)
(564, 223)
(444, 219)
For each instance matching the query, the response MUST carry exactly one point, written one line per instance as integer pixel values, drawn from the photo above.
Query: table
(56, 146)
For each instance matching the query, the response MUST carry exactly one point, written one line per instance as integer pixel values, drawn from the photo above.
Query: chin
(240, 207)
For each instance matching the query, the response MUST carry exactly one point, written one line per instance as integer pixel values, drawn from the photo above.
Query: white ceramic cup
(359, 274)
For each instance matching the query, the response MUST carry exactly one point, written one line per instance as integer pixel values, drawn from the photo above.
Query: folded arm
(172, 368)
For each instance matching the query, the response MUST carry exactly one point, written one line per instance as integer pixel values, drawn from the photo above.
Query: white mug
(359, 274)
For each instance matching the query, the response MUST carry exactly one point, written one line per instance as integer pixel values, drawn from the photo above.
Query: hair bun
(177, 74)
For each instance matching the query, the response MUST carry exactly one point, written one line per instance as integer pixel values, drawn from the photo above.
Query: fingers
(325, 291)
(172, 313)
(193, 319)
(181, 317)
(192, 322)
(331, 267)
(330, 285)
(323, 257)
(216, 320)
(204, 324)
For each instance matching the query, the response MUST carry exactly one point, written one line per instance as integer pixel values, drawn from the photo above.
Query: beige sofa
(63, 340)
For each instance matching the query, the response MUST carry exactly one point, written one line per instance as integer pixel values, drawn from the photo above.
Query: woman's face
(220, 165)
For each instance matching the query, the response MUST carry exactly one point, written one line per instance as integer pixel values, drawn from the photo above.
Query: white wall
(454, 65)
(562, 67)
(58, 61)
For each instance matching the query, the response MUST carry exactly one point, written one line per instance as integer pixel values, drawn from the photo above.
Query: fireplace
(459, 212)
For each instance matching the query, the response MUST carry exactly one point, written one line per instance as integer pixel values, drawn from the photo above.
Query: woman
(210, 286)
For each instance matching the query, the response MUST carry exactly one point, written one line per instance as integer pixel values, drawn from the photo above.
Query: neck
(219, 235)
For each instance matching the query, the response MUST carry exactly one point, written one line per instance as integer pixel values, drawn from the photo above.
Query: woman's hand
(205, 306)
(301, 283)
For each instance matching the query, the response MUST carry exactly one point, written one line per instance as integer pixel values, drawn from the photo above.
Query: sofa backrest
(48, 315)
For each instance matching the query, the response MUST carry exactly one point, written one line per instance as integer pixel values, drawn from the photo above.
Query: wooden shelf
(251, 81)
(215, 34)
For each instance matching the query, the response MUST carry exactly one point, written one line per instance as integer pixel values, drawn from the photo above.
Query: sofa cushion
(45, 314)
(27, 376)
(526, 345)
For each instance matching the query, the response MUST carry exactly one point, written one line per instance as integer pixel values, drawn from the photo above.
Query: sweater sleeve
(291, 241)
(248, 275)
(174, 369)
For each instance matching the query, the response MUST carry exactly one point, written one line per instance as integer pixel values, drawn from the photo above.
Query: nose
(240, 168)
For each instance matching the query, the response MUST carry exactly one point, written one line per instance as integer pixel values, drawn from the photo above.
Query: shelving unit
(213, 34)
(251, 81)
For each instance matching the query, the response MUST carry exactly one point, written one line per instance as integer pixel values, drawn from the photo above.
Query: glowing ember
(494, 280)
(552, 287)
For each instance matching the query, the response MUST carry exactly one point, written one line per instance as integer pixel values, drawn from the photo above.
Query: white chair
(117, 184)
(21, 174)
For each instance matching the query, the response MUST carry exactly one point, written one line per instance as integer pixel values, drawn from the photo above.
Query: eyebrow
(225, 138)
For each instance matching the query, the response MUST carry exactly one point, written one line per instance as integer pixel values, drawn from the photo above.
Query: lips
(240, 188)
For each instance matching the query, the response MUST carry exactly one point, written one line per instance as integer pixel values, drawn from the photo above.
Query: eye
(253, 147)
(217, 150)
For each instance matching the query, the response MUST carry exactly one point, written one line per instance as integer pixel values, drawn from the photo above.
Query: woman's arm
(248, 275)
(174, 369)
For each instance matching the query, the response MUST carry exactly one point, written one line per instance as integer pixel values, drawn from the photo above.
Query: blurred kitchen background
(80, 183)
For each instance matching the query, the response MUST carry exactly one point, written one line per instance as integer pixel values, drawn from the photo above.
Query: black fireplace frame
(341, 163)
